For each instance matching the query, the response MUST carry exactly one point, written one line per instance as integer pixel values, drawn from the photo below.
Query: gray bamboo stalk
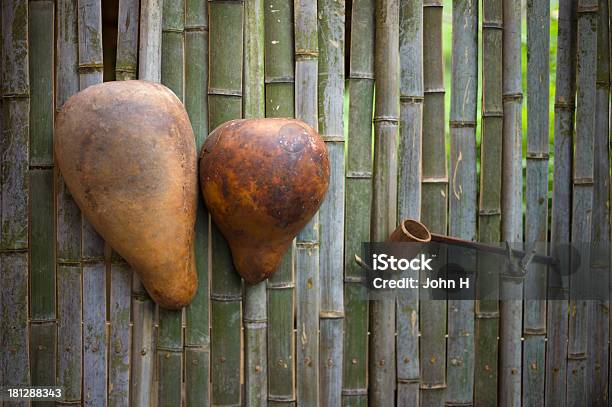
(511, 306)
(434, 203)
(197, 336)
(143, 308)
(382, 369)
(597, 374)
(489, 212)
(307, 242)
(280, 98)
(358, 200)
(462, 194)
(43, 327)
(331, 215)
(557, 316)
(225, 78)
(68, 232)
(255, 304)
(536, 218)
(409, 189)
(14, 191)
(170, 331)
(582, 202)
(120, 273)
(95, 340)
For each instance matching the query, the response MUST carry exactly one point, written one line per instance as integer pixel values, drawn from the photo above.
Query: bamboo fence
(369, 75)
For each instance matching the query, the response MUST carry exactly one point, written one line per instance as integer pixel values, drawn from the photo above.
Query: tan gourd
(127, 154)
(262, 180)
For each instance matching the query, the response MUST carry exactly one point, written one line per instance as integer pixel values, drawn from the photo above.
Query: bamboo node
(456, 124)
(224, 92)
(412, 99)
(302, 54)
(429, 91)
(361, 75)
(333, 138)
(359, 174)
(590, 8)
(512, 97)
(493, 113)
(533, 155)
(583, 181)
(493, 25)
(386, 119)
(354, 392)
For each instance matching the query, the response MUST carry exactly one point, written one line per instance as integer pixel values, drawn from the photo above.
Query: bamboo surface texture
(434, 204)
(197, 333)
(409, 189)
(307, 242)
(43, 328)
(331, 214)
(462, 193)
(582, 195)
(169, 353)
(557, 307)
(597, 384)
(511, 307)
(143, 308)
(255, 303)
(68, 221)
(358, 200)
(489, 211)
(280, 102)
(382, 372)
(225, 89)
(536, 217)
(14, 199)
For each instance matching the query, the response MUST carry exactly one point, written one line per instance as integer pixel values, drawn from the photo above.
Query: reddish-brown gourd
(262, 180)
(127, 154)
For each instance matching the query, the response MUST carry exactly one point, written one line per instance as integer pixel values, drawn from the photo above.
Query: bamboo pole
(197, 336)
(92, 247)
(280, 98)
(43, 328)
(307, 242)
(597, 373)
(358, 200)
(382, 370)
(15, 90)
(582, 202)
(170, 331)
(225, 103)
(143, 308)
(68, 247)
(511, 306)
(557, 318)
(409, 189)
(255, 302)
(434, 204)
(536, 218)
(487, 310)
(462, 194)
(120, 272)
(331, 215)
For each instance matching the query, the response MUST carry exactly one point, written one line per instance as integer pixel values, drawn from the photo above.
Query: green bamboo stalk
(92, 246)
(382, 371)
(511, 306)
(120, 272)
(197, 337)
(255, 302)
(225, 103)
(170, 338)
(43, 328)
(434, 204)
(331, 215)
(536, 218)
(597, 373)
(409, 189)
(143, 308)
(556, 348)
(582, 202)
(358, 200)
(487, 310)
(69, 273)
(462, 193)
(279, 91)
(307, 242)
(14, 150)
